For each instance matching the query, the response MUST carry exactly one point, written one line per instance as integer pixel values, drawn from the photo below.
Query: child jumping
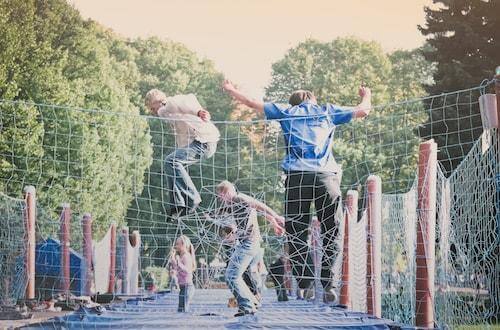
(242, 209)
(196, 139)
(312, 174)
(184, 262)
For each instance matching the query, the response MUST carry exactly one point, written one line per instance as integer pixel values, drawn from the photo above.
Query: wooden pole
(65, 243)
(87, 275)
(426, 225)
(350, 215)
(112, 256)
(124, 263)
(30, 220)
(374, 237)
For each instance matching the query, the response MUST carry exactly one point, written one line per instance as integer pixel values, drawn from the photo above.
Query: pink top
(184, 266)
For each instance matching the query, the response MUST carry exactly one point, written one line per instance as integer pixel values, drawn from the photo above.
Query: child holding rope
(242, 209)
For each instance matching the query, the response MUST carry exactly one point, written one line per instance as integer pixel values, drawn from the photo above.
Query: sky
(244, 37)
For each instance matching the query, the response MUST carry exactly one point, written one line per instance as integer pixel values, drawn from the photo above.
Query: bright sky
(244, 37)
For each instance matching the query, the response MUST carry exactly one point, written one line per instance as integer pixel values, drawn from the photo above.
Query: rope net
(113, 165)
(12, 250)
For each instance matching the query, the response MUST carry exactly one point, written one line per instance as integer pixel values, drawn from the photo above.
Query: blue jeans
(185, 295)
(256, 276)
(243, 255)
(182, 191)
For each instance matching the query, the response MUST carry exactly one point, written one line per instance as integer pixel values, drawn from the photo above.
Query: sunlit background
(244, 37)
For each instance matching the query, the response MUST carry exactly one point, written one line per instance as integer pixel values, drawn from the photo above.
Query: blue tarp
(48, 268)
(209, 311)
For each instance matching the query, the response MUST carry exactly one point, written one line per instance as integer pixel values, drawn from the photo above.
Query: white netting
(357, 259)
(399, 217)
(87, 157)
(102, 262)
(467, 267)
(13, 277)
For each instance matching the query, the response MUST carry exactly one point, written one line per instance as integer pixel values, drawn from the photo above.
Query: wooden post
(496, 281)
(30, 220)
(350, 215)
(65, 243)
(497, 92)
(135, 241)
(87, 275)
(426, 225)
(112, 256)
(373, 246)
(124, 260)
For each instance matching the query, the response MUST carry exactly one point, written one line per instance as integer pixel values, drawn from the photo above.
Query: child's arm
(363, 109)
(240, 97)
(184, 263)
(272, 217)
(183, 104)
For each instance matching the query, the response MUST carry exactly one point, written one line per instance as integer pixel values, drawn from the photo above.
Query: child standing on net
(242, 209)
(184, 262)
(196, 138)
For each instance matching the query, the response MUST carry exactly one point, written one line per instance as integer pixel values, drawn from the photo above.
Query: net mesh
(13, 277)
(112, 165)
(467, 281)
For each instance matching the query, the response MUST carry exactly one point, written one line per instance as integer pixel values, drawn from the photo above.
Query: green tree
(94, 160)
(464, 40)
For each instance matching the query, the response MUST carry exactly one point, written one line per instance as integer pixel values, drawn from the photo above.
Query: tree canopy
(463, 38)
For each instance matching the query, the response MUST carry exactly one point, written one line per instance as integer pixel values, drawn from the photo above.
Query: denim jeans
(302, 189)
(182, 191)
(185, 295)
(243, 255)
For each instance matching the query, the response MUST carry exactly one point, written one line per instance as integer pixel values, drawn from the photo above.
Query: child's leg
(240, 259)
(189, 296)
(182, 191)
(182, 298)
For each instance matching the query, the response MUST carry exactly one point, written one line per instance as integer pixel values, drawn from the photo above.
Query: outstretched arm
(363, 109)
(240, 97)
(272, 217)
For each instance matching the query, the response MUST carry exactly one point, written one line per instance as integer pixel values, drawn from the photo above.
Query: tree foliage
(92, 159)
(463, 38)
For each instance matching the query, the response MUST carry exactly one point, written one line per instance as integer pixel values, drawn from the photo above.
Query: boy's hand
(204, 115)
(278, 230)
(228, 86)
(365, 92)
(280, 220)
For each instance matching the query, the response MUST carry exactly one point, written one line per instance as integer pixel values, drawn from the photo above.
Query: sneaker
(330, 296)
(300, 294)
(243, 313)
(306, 293)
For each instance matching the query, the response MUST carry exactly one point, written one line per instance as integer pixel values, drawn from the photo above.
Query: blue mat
(209, 310)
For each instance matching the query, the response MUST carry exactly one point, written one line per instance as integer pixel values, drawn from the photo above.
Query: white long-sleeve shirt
(182, 112)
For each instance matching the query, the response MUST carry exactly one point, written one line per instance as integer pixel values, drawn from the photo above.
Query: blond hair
(225, 186)
(152, 96)
(189, 247)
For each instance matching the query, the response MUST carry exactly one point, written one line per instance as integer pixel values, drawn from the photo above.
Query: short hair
(225, 186)
(300, 96)
(153, 95)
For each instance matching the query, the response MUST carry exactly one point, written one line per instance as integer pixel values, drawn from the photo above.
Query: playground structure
(50, 267)
(425, 256)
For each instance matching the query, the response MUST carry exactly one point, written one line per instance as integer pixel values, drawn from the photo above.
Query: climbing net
(113, 165)
(12, 250)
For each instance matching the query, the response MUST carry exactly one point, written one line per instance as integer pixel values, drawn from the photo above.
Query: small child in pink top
(183, 260)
